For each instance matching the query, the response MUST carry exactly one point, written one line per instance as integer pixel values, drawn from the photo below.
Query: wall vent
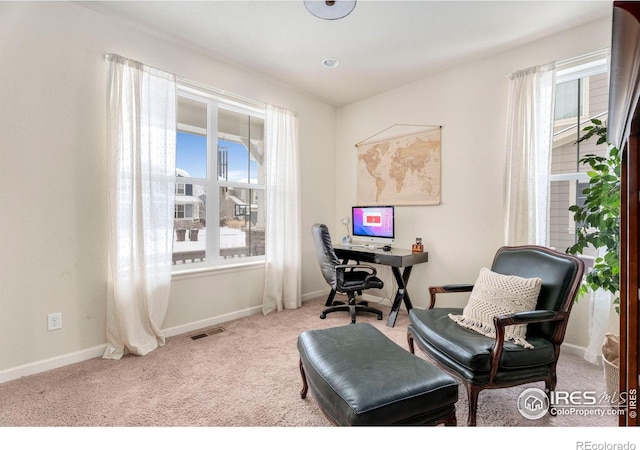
(206, 333)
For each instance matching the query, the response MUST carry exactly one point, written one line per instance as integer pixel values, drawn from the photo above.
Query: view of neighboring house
(578, 100)
(190, 213)
(241, 227)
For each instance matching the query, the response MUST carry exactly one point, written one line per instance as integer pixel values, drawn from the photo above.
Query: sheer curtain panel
(528, 154)
(599, 314)
(282, 254)
(141, 140)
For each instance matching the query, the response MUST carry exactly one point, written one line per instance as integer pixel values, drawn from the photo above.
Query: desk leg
(401, 294)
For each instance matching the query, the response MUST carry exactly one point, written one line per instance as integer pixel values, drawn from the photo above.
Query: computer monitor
(373, 224)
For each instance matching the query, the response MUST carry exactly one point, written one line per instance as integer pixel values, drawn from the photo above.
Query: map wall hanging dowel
(400, 165)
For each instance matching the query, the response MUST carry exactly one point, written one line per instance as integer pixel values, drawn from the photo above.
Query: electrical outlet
(54, 321)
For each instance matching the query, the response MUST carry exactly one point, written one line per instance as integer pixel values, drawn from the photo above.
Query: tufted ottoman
(360, 377)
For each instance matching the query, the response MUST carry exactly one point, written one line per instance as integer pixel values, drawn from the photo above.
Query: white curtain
(282, 241)
(599, 313)
(528, 154)
(141, 144)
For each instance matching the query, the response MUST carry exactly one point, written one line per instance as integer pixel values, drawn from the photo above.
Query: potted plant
(181, 225)
(193, 229)
(598, 228)
(599, 218)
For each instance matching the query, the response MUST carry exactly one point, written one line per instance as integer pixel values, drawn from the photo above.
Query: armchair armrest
(446, 289)
(524, 317)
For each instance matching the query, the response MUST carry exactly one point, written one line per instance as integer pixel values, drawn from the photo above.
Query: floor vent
(210, 332)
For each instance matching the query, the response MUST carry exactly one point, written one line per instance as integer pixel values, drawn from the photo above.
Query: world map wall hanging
(400, 166)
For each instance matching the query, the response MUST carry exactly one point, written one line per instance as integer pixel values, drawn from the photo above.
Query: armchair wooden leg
(472, 397)
(305, 386)
(411, 344)
(549, 386)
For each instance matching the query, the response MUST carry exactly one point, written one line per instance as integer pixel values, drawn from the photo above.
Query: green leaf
(598, 220)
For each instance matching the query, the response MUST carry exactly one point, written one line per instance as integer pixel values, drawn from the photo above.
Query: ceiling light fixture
(330, 63)
(330, 10)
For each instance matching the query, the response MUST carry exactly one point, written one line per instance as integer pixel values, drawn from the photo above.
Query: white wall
(53, 234)
(469, 102)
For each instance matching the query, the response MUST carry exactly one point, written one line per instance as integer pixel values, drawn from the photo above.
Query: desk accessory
(346, 239)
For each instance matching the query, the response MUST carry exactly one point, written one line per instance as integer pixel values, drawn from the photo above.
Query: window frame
(216, 100)
(576, 69)
(583, 114)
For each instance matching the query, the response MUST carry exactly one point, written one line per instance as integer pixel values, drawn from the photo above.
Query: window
(570, 101)
(220, 200)
(582, 93)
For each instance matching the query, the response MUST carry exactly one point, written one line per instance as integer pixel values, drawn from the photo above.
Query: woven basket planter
(612, 379)
(610, 363)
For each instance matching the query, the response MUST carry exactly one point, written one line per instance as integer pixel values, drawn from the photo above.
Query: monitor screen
(373, 223)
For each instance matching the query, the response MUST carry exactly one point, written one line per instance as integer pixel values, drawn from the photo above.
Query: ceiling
(380, 45)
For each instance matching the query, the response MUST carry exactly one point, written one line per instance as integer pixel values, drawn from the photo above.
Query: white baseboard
(52, 363)
(316, 294)
(572, 349)
(97, 351)
(211, 321)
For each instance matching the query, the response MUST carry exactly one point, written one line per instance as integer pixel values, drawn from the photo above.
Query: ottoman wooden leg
(451, 421)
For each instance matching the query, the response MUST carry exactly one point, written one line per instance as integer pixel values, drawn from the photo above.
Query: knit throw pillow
(495, 294)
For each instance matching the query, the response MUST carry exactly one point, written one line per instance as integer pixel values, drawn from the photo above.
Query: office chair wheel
(323, 315)
(379, 316)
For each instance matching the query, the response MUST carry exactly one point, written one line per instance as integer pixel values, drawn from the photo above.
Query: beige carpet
(246, 376)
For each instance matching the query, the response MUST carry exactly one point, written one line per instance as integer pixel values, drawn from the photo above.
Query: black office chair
(345, 278)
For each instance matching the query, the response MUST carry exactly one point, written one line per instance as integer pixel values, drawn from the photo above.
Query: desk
(396, 258)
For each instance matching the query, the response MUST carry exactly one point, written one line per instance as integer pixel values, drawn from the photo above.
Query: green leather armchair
(482, 362)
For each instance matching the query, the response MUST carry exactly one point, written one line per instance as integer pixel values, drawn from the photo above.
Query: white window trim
(577, 177)
(201, 271)
(216, 99)
(572, 176)
(191, 129)
(242, 104)
(581, 67)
